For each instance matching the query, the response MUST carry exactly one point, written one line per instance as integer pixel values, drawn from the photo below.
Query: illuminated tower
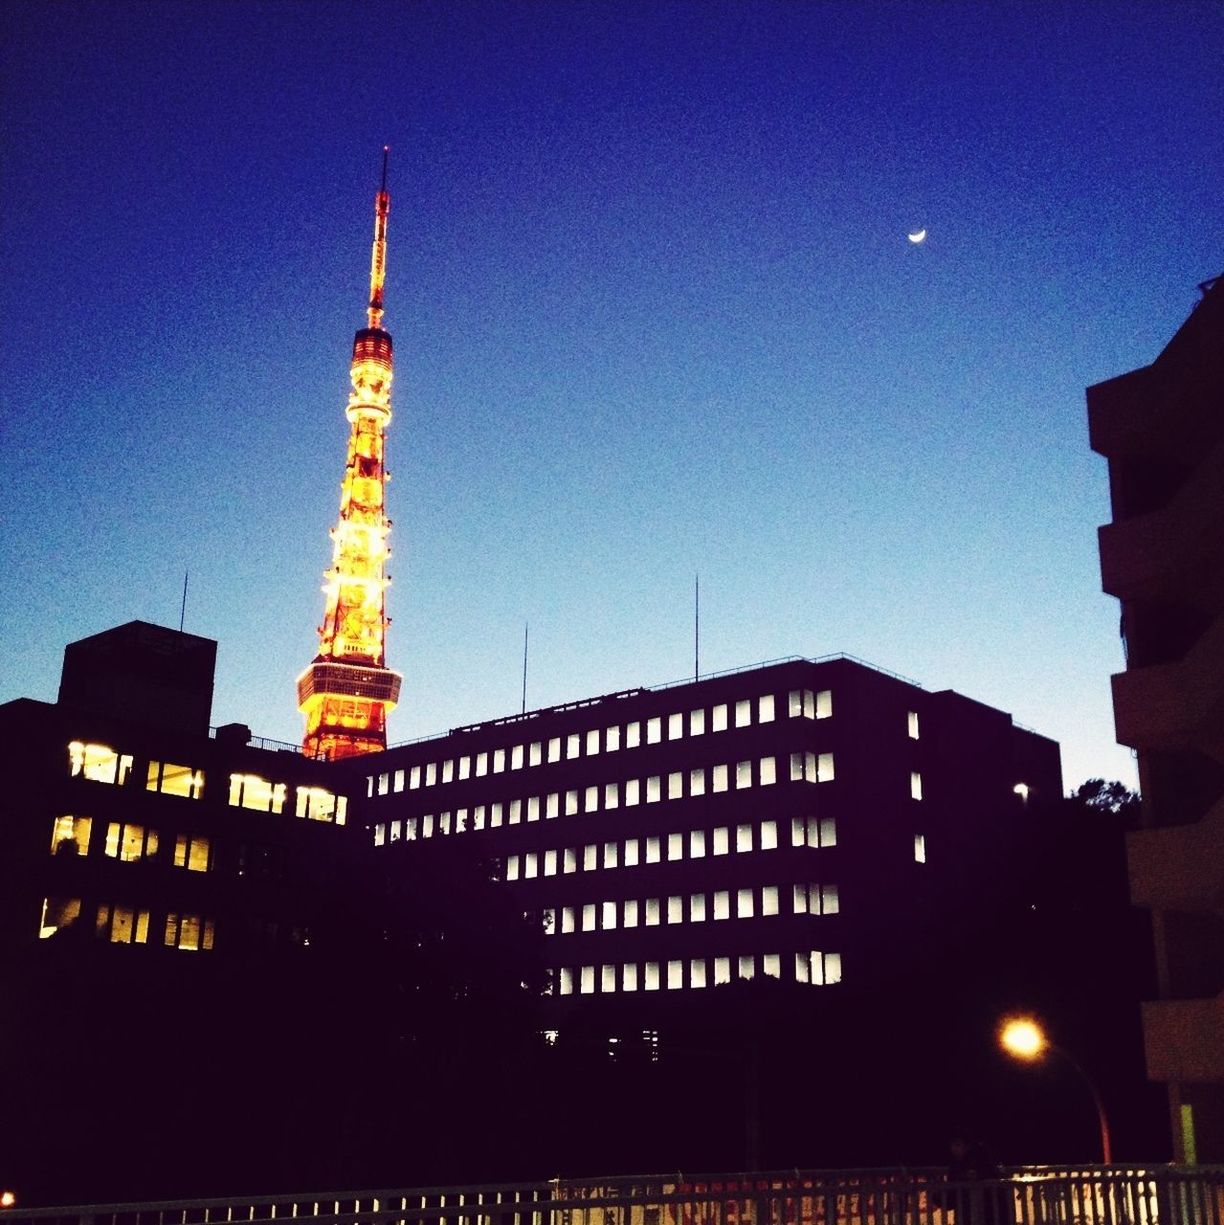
(347, 690)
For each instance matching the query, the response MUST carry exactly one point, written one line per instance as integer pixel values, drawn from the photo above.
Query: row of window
(691, 908)
(801, 703)
(128, 925)
(129, 843)
(656, 848)
(680, 784)
(696, 972)
(100, 763)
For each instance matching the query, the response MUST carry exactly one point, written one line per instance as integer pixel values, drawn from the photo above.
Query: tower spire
(347, 689)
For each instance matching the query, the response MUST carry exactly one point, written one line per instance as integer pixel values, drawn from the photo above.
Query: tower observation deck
(347, 689)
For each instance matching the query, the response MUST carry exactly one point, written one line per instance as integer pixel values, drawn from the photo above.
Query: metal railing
(1031, 1195)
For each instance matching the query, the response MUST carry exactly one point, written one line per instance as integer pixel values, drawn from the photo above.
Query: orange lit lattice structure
(347, 690)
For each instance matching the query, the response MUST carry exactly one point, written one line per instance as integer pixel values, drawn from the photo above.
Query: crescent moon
(918, 236)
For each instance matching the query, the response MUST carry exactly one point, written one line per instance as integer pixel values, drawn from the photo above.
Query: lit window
(499, 761)
(566, 986)
(809, 704)
(552, 805)
(122, 925)
(769, 899)
(796, 767)
(516, 757)
(397, 781)
(696, 722)
(675, 785)
(99, 763)
(832, 968)
(573, 745)
(719, 778)
(697, 972)
(697, 908)
(183, 780)
(590, 856)
(747, 967)
(319, 804)
(824, 768)
(588, 917)
(533, 808)
(629, 976)
(675, 726)
(632, 791)
(530, 865)
(380, 834)
(794, 704)
(912, 724)
(188, 931)
(609, 854)
(535, 753)
(721, 840)
(828, 832)
(592, 742)
(653, 791)
(586, 980)
(550, 863)
(630, 913)
(718, 718)
(414, 778)
(427, 825)
(744, 904)
(512, 867)
(567, 920)
(675, 909)
(830, 903)
(675, 975)
(799, 899)
(697, 844)
(722, 971)
(769, 771)
(675, 846)
(189, 853)
(915, 785)
(743, 713)
(465, 767)
(607, 975)
(516, 812)
(697, 781)
(554, 749)
(495, 815)
(771, 965)
(803, 967)
(769, 835)
(743, 837)
(590, 799)
(611, 795)
(654, 730)
(920, 848)
(482, 764)
(631, 853)
(743, 774)
(548, 921)
(633, 735)
(571, 803)
(70, 835)
(431, 773)
(798, 832)
(57, 914)
(251, 791)
(448, 771)
(651, 976)
(652, 850)
(722, 904)
(129, 843)
(824, 704)
(765, 708)
(478, 817)
(397, 830)
(608, 916)
(652, 912)
(612, 739)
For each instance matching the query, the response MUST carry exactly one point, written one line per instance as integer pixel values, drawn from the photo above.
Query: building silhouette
(1162, 431)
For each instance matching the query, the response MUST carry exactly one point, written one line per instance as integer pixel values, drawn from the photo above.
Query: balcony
(1175, 706)
(1179, 867)
(1184, 1040)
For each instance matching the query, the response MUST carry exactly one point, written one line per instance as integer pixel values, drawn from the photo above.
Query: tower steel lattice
(347, 690)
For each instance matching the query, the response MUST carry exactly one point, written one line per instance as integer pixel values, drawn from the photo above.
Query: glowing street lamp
(1024, 1039)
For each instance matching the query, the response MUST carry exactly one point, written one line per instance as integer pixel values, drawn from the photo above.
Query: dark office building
(1162, 429)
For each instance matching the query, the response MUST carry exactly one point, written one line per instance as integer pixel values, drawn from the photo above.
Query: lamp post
(1024, 1039)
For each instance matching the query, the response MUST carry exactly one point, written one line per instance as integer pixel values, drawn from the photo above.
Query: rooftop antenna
(183, 609)
(697, 625)
(526, 627)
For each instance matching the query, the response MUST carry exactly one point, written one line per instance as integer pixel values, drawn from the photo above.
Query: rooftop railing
(1027, 1195)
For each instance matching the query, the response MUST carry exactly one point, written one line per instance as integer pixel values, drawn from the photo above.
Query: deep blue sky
(655, 312)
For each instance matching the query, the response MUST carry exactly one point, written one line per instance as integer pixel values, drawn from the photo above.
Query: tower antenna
(526, 627)
(183, 610)
(697, 626)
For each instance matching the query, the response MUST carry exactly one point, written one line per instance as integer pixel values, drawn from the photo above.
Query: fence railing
(1030, 1195)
